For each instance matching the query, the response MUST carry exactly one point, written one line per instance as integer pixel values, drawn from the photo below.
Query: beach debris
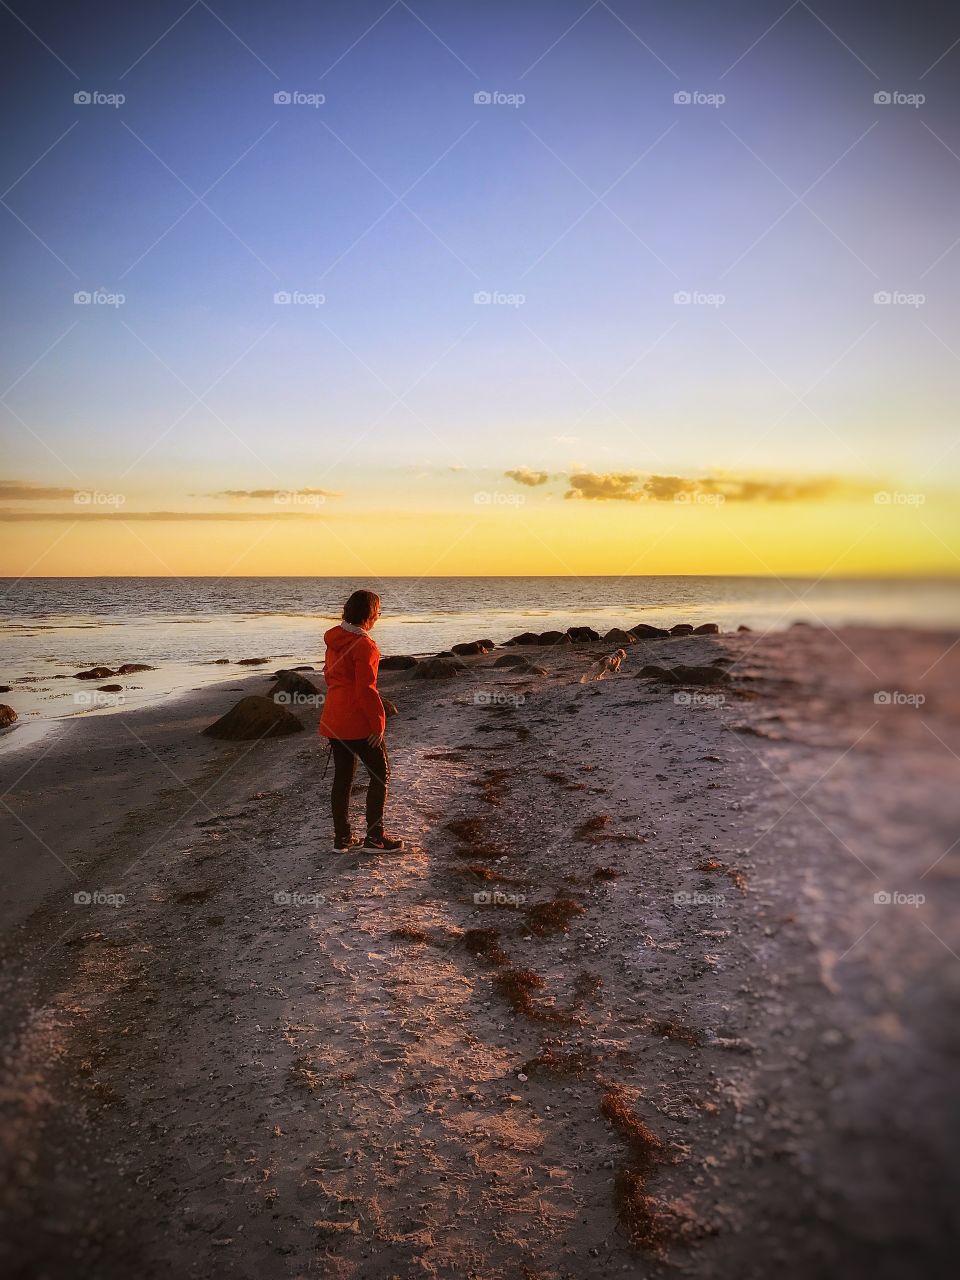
(398, 662)
(254, 717)
(552, 917)
(580, 635)
(7, 715)
(95, 673)
(251, 662)
(438, 669)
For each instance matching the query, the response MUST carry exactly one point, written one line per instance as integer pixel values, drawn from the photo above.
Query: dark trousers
(346, 753)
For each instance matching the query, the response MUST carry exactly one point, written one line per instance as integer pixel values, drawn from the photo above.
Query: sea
(51, 628)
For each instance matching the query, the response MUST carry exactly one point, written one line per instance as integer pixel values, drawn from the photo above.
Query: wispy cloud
(523, 475)
(82, 515)
(629, 486)
(24, 491)
(270, 494)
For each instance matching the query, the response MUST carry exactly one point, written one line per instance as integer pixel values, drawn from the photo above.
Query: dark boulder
(700, 675)
(706, 629)
(682, 629)
(95, 673)
(618, 636)
(253, 718)
(7, 716)
(469, 648)
(303, 668)
(525, 637)
(108, 688)
(293, 687)
(511, 660)
(657, 673)
(220, 662)
(129, 668)
(4, 688)
(487, 644)
(742, 627)
(644, 631)
(554, 638)
(580, 635)
(438, 669)
(398, 662)
(251, 662)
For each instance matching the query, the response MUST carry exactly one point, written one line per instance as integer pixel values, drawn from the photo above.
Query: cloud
(83, 515)
(629, 486)
(22, 490)
(269, 494)
(523, 475)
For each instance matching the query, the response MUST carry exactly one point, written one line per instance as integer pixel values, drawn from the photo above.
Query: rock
(644, 631)
(511, 660)
(7, 715)
(744, 628)
(657, 673)
(129, 668)
(4, 688)
(579, 635)
(487, 644)
(109, 688)
(438, 669)
(220, 662)
(250, 662)
(294, 687)
(682, 629)
(389, 708)
(706, 629)
(95, 673)
(618, 636)
(398, 662)
(699, 675)
(254, 717)
(525, 637)
(469, 648)
(528, 669)
(554, 638)
(303, 668)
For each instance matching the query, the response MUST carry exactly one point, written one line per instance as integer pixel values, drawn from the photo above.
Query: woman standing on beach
(354, 721)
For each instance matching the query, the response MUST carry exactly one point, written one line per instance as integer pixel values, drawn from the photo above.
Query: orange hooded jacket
(352, 708)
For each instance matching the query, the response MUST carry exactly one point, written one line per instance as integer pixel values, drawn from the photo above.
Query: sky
(436, 288)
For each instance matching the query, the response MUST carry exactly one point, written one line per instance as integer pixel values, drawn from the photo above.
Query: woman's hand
(375, 740)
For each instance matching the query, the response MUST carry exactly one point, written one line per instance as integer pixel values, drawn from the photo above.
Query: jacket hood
(336, 638)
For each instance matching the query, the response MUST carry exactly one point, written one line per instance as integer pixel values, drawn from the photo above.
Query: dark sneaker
(344, 844)
(383, 844)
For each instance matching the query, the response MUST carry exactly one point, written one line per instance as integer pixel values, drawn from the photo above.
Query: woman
(354, 721)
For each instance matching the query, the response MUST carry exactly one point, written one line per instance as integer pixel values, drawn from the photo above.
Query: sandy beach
(667, 980)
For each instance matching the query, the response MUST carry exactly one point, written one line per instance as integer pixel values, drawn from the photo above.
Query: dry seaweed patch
(554, 1060)
(408, 933)
(480, 872)
(669, 1030)
(552, 917)
(587, 986)
(590, 829)
(605, 873)
(302, 1073)
(646, 1149)
(492, 784)
(486, 944)
(737, 877)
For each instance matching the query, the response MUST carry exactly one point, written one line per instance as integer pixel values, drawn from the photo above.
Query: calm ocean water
(51, 627)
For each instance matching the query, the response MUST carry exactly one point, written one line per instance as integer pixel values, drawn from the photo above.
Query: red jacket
(352, 708)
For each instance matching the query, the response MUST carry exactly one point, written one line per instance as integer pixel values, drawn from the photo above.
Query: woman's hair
(361, 607)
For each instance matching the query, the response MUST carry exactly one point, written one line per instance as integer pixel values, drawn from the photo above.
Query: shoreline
(450, 1084)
